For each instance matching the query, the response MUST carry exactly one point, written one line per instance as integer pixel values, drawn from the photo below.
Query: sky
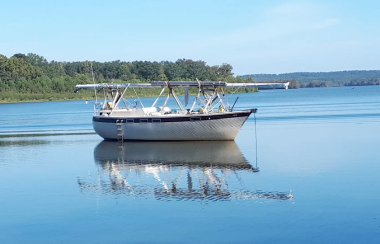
(254, 36)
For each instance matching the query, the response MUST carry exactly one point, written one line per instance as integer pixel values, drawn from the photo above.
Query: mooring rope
(254, 117)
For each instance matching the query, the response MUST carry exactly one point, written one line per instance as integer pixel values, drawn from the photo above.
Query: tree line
(323, 79)
(31, 76)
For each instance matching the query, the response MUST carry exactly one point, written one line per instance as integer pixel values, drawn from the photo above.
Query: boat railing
(208, 100)
(97, 107)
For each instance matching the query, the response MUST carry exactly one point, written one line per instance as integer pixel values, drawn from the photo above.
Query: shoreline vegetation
(31, 78)
(322, 79)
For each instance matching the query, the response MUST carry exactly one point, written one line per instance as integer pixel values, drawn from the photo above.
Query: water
(314, 179)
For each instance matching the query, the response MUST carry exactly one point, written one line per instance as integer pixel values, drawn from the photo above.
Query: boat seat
(164, 110)
(150, 110)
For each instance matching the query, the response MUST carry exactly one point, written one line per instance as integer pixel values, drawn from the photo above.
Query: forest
(29, 77)
(323, 79)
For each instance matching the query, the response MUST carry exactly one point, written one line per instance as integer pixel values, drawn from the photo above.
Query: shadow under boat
(181, 171)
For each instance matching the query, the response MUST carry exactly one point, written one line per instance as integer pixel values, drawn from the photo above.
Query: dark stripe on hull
(167, 119)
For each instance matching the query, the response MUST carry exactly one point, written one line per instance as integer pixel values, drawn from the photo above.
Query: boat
(210, 118)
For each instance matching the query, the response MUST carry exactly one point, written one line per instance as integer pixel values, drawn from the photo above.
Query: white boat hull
(206, 127)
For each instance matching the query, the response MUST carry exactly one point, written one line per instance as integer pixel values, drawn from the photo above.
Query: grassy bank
(16, 97)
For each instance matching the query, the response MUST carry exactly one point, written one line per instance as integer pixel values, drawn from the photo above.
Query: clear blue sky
(252, 36)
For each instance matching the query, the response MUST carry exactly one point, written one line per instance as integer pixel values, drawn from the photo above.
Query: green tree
(4, 70)
(19, 68)
(162, 77)
(54, 69)
(225, 70)
(171, 70)
(36, 60)
(85, 68)
(124, 72)
(146, 70)
(196, 70)
(20, 56)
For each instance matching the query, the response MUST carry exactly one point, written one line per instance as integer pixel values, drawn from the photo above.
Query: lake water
(312, 176)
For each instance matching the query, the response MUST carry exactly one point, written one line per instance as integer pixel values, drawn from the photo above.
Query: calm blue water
(60, 183)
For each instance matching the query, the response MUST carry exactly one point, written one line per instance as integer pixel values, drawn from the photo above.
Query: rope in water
(254, 116)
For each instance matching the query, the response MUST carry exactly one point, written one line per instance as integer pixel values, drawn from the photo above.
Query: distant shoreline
(90, 96)
(30, 77)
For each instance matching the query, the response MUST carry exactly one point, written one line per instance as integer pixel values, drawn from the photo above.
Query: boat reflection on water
(173, 171)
